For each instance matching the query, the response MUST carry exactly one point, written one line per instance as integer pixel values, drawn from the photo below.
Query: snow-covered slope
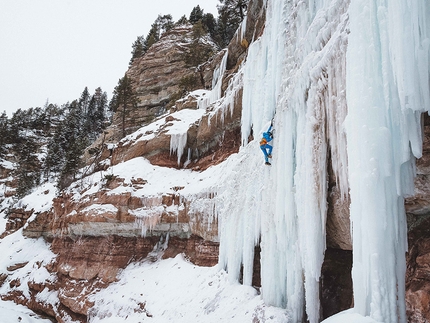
(175, 290)
(11, 312)
(160, 291)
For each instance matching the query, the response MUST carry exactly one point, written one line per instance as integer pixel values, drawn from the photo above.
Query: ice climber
(265, 147)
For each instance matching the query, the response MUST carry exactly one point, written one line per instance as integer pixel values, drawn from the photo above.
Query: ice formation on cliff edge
(316, 63)
(387, 90)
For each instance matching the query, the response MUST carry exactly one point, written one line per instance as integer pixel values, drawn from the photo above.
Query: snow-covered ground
(175, 290)
(11, 312)
(171, 290)
(29, 257)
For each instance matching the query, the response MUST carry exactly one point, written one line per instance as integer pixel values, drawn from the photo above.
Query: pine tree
(152, 37)
(39, 120)
(28, 166)
(84, 101)
(138, 49)
(198, 51)
(55, 155)
(182, 21)
(230, 15)
(235, 8)
(72, 142)
(77, 125)
(196, 15)
(165, 23)
(210, 25)
(198, 31)
(72, 162)
(161, 25)
(124, 99)
(17, 122)
(96, 118)
(4, 133)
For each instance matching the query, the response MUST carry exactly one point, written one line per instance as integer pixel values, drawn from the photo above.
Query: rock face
(210, 141)
(93, 243)
(418, 258)
(336, 282)
(254, 27)
(161, 76)
(16, 221)
(96, 234)
(84, 265)
(418, 274)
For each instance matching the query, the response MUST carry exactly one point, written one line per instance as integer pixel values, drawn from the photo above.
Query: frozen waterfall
(342, 81)
(387, 90)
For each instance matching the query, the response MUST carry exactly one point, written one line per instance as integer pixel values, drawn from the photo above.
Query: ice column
(292, 194)
(178, 141)
(387, 89)
(217, 77)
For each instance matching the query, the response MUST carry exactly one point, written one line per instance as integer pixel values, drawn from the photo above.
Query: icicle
(217, 78)
(292, 70)
(387, 89)
(240, 32)
(202, 212)
(148, 216)
(298, 69)
(227, 103)
(178, 141)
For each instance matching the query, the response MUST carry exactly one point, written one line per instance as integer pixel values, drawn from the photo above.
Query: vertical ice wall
(387, 90)
(217, 77)
(295, 75)
(317, 62)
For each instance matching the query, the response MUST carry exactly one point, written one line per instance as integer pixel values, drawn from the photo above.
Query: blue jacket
(267, 136)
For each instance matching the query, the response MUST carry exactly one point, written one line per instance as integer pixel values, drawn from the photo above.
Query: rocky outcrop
(336, 282)
(161, 76)
(16, 220)
(114, 214)
(418, 205)
(94, 235)
(337, 291)
(250, 30)
(210, 141)
(418, 257)
(86, 264)
(418, 274)
(338, 225)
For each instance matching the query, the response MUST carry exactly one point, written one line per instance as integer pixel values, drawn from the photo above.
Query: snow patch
(153, 291)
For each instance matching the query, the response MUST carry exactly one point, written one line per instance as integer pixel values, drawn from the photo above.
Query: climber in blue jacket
(264, 146)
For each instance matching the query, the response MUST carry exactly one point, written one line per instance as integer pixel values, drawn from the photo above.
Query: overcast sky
(52, 49)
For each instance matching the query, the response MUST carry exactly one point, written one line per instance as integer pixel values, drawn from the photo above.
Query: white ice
(352, 82)
(387, 90)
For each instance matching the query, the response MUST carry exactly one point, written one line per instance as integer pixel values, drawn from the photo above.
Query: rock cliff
(97, 230)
